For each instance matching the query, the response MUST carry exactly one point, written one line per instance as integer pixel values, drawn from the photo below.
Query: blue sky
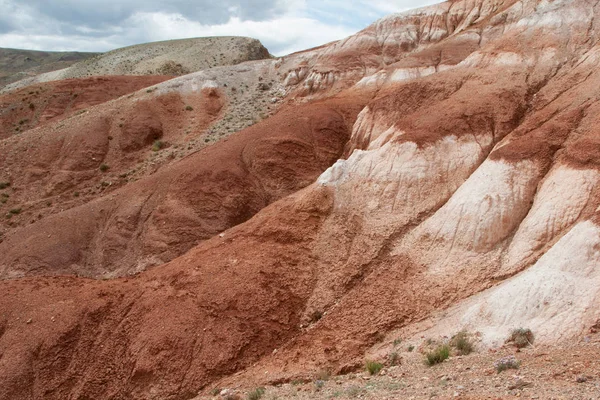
(283, 26)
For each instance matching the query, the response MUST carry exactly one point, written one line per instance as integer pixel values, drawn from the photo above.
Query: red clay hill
(264, 222)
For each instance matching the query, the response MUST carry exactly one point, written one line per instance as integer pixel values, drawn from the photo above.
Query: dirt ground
(544, 373)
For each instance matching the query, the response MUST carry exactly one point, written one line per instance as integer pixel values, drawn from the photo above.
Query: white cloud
(282, 35)
(283, 26)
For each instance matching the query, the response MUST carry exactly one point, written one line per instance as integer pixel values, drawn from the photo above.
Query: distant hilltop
(173, 57)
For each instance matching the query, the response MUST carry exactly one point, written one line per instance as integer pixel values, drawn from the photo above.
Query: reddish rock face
(441, 159)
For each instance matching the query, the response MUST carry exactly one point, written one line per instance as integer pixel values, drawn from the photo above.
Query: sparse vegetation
(354, 391)
(506, 363)
(104, 167)
(521, 337)
(256, 394)
(397, 342)
(189, 108)
(172, 68)
(4, 185)
(76, 194)
(394, 358)
(373, 367)
(438, 355)
(215, 391)
(319, 384)
(410, 348)
(15, 211)
(462, 343)
(157, 145)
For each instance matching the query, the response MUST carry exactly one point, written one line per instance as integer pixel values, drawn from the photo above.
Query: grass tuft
(461, 342)
(373, 367)
(256, 394)
(438, 355)
(157, 145)
(394, 358)
(521, 337)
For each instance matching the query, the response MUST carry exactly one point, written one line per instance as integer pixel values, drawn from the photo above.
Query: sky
(283, 26)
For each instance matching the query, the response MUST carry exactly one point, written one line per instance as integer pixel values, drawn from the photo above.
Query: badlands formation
(258, 223)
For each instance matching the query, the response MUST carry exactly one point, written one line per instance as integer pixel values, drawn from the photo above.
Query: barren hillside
(16, 64)
(258, 224)
(173, 57)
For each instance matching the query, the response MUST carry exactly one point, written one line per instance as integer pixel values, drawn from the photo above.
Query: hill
(173, 57)
(280, 220)
(18, 64)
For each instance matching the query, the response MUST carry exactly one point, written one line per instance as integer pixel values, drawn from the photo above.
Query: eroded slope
(468, 185)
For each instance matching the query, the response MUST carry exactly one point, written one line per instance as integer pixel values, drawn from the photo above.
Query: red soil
(29, 107)
(158, 218)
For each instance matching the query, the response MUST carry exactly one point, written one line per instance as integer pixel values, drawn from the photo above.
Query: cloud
(283, 26)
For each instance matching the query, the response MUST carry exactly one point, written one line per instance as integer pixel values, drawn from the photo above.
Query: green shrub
(104, 168)
(4, 185)
(438, 355)
(410, 348)
(256, 394)
(521, 338)
(189, 108)
(461, 342)
(373, 367)
(157, 145)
